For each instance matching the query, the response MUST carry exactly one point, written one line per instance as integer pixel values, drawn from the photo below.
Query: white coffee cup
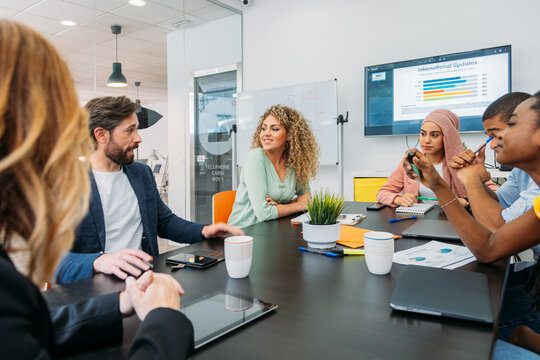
(379, 252)
(238, 255)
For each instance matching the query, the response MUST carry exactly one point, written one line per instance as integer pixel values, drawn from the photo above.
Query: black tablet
(220, 313)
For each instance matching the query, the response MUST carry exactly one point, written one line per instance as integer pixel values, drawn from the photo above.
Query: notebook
(415, 209)
(441, 292)
(432, 229)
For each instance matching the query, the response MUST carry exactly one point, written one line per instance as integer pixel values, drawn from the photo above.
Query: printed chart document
(344, 219)
(435, 254)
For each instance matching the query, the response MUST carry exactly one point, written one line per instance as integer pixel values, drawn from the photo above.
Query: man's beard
(118, 155)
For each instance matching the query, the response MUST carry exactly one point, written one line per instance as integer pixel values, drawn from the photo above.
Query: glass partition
(214, 104)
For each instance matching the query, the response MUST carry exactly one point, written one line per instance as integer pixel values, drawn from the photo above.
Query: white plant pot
(321, 236)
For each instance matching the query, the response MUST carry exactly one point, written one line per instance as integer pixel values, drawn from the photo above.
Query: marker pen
(402, 219)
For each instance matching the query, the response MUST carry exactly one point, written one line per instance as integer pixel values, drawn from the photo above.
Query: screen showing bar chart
(450, 88)
(399, 95)
(465, 87)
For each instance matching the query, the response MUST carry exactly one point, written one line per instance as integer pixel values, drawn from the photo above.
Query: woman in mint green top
(283, 158)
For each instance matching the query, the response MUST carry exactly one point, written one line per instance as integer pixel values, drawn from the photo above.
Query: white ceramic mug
(379, 252)
(238, 255)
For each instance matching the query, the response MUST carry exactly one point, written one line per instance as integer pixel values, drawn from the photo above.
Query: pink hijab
(452, 145)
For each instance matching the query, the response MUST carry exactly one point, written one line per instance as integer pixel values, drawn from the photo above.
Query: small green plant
(325, 207)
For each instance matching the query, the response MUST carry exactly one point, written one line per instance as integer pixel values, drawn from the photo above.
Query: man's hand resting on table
(123, 263)
(220, 230)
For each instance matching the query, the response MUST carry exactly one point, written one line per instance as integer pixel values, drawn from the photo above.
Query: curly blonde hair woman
(44, 190)
(284, 156)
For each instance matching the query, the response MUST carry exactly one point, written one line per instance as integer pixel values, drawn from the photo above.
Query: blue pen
(484, 144)
(401, 219)
(319, 251)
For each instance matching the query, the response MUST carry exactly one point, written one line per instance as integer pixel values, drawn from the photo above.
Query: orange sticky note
(353, 237)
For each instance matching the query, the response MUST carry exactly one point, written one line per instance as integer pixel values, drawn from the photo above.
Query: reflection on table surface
(328, 307)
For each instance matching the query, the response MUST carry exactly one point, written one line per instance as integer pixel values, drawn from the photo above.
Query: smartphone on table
(192, 260)
(376, 207)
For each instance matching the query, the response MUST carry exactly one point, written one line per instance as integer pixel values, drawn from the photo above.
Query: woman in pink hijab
(440, 141)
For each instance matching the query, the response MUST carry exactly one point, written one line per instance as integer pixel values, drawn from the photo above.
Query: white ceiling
(89, 47)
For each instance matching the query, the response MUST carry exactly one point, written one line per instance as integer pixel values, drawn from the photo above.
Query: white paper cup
(379, 252)
(238, 255)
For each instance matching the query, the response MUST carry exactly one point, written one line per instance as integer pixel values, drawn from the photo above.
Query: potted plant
(322, 230)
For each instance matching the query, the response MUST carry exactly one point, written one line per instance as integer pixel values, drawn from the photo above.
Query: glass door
(214, 105)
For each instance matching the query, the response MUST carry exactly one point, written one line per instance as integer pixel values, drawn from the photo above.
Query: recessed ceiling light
(182, 23)
(137, 2)
(68, 23)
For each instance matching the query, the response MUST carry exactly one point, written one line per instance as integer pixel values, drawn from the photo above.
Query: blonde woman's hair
(44, 141)
(301, 151)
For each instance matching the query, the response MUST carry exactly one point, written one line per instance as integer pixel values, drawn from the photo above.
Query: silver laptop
(432, 229)
(221, 313)
(442, 292)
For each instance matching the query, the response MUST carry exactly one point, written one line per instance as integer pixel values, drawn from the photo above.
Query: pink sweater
(398, 181)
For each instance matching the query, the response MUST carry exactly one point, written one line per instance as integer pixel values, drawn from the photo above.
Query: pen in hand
(426, 198)
(484, 144)
(401, 219)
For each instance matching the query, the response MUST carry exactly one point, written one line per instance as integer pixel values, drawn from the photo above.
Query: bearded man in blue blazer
(119, 233)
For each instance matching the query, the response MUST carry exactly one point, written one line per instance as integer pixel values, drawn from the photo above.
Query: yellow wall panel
(365, 189)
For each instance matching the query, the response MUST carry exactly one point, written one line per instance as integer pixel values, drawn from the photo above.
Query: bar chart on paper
(451, 87)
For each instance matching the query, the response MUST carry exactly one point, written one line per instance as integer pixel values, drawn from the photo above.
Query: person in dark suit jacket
(37, 333)
(119, 233)
(44, 192)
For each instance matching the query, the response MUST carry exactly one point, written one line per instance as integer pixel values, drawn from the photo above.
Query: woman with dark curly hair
(284, 156)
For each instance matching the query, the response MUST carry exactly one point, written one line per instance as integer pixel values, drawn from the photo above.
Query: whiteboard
(317, 101)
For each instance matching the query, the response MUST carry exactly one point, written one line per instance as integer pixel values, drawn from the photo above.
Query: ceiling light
(182, 23)
(117, 79)
(137, 2)
(68, 23)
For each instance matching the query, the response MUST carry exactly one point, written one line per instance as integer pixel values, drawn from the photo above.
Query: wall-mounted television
(399, 95)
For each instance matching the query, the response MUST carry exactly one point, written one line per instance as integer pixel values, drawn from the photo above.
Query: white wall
(210, 45)
(292, 42)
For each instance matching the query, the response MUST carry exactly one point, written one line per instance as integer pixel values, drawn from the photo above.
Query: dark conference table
(328, 307)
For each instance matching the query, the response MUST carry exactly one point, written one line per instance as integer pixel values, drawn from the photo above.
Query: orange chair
(222, 204)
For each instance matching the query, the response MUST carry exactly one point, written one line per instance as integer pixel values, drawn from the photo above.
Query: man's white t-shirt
(123, 225)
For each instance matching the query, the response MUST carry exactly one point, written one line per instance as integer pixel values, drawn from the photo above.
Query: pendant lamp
(117, 79)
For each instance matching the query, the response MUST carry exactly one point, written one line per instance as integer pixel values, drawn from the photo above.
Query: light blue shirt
(516, 195)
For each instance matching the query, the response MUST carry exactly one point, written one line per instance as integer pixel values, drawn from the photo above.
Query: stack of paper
(344, 219)
(435, 254)
(353, 237)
